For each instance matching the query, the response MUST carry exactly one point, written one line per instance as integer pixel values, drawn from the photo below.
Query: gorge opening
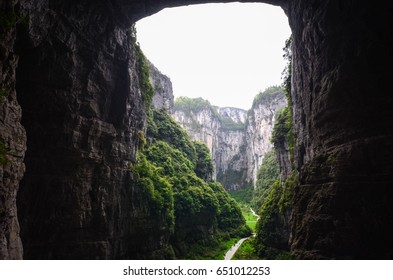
(220, 66)
(78, 72)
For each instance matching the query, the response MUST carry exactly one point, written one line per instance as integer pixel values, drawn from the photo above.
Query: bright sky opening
(225, 53)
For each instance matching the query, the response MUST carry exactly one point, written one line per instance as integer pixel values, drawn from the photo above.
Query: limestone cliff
(237, 139)
(260, 122)
(163, 94)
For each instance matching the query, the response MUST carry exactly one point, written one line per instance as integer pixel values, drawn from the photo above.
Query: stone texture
(163, 94)
(81, 107)
(342, 113)
(202, 125)
(238, 145)
(260, 122)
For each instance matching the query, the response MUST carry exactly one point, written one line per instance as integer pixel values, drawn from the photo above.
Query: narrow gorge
(237, 139)
(81, 173)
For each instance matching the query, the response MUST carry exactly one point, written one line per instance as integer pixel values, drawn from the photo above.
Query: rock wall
(237, 139)
(12, 138)
(342, 109)
(163, 94)
(260, 122)
(202, 125)
(78, 84)
(82, 109)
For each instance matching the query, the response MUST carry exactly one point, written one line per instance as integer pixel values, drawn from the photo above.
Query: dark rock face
(342, 110)
(163, 94)
(12, 141)
(82, 108)
(77, 85)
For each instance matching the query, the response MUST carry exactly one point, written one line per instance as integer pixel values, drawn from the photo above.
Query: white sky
(225, 53)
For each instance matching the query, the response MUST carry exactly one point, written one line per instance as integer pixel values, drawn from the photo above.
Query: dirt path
(253, 212)
(234, 248)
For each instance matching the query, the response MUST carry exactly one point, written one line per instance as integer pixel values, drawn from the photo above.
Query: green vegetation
(166, 129)
(229, 124)
(174, 174)
(194, 105)
(283, 133)
(146, 87)
(269, 241)
(273, 197)
(213, 249)
(243, 195)
(251, 219)
(268, 173)
(246, 251)
(231, 177)
(204, 164)
(189, 105)
(267, 95)
(287, 72)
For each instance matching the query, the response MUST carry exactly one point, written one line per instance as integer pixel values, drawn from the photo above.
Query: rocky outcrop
(79, 94)
(12, 138)
(163, 94)
(237, 139)
(260, 122)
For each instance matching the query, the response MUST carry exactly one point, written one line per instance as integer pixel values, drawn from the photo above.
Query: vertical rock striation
(260, 122)
(342, 110)
(12, 136)
(163, 94)
(78, 82)
(237, 139)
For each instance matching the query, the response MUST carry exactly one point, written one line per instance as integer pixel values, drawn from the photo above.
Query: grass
(246, 251)
(243, 198)
(251, 220)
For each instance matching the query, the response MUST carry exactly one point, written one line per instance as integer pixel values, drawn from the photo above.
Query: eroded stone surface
(82, 108)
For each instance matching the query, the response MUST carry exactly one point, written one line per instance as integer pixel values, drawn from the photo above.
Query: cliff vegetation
(175, 174)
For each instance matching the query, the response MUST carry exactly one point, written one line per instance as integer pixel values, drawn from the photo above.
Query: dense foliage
(189, 105)
(243, 195)
(175, 173)
(267, 95)
(273, 195)
(268, 173)
(204, 163)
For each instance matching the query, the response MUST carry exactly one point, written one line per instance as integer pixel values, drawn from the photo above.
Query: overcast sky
(225, 53)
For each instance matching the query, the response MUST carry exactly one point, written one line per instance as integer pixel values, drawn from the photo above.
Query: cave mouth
(50, 81)
(227, 58)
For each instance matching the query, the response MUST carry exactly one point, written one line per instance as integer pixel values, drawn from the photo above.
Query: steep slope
(177, 173)
(237, 139)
